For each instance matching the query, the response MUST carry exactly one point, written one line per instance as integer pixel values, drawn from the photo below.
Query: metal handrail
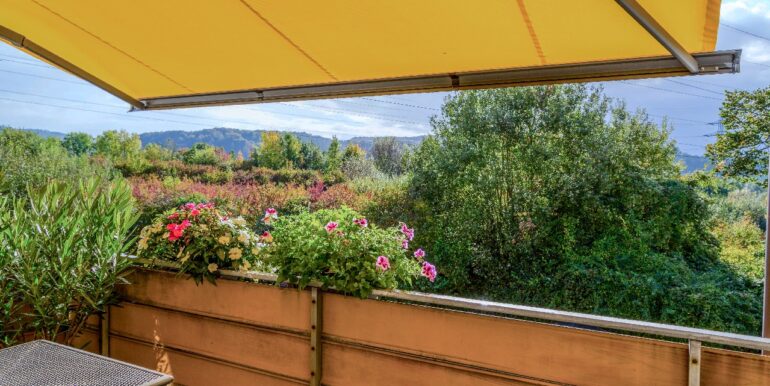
(483, 306)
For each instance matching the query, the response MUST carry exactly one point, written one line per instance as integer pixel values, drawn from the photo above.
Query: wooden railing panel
(530, 349)
(272, 351)
(190, 369)
(344, 365)
(732, 368)
(259, 304)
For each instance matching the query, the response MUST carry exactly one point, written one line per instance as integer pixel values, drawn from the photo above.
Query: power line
(25, 63)
(746, 32)
(672, 91)
(695, 87)
(46, 77)
(756, 63)
(401, 104)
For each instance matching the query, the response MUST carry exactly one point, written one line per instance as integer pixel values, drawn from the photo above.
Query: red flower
(175, 231)
(195, 212)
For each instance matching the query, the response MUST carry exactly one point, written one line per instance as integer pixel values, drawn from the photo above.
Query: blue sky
(35, 95)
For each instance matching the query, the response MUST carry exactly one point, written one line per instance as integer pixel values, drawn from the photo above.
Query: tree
(118, 145)
(312, 157)
(387, 154)
(155, 152)
(557, 196)
(333, 156)
(292, 150)
(741, 150)
(78, 143)
(202, 154)
(353, 151)
(270, 153)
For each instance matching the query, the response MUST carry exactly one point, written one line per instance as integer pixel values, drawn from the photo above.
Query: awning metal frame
(718, 62)
(660, 34)
(681, 63)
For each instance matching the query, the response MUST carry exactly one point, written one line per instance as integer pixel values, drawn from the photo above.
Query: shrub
(60, 257)
(337, 248)
(202, 239)
(338, 196)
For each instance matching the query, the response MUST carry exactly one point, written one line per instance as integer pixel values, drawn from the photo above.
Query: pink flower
(173, 216)
(419, 253)
(405, 244)
(383, 263)
(361, 222)
(208, 205)
(189, 206)
(429, 271)
(331, 226)
(195, 212)
(409, 233)
(267, 237)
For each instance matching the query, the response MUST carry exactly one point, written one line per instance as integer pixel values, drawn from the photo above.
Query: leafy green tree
(742, 149)
(292, 150)
(29, 159)
(201, 154)
(118, 145)
(270, 153)
(155, 152)
(333, 156)
(78, 143)
(353, 151)
(312, 157)
(559, 197)
(388, 154)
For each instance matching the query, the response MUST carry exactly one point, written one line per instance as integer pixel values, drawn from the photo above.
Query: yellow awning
(177, 53)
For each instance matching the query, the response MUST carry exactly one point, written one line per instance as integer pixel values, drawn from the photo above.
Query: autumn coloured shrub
(338, 196)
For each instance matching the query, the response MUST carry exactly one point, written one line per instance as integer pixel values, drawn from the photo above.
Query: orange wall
(238, 333)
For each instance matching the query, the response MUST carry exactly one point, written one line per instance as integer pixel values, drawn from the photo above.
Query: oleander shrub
(339, 248)
(202, 240)
(61, 257)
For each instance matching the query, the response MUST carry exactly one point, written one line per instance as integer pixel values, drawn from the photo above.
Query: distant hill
(693, 162)
(244, 140)
(47, 134)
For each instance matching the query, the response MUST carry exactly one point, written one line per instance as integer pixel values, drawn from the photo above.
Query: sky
(35, 95)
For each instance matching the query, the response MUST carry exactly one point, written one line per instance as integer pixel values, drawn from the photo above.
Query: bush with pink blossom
(339, 248)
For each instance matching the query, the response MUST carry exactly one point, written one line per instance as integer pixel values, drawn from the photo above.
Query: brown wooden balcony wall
(240, 333)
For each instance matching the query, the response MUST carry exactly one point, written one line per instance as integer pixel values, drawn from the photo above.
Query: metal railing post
(694, 363)
(316, 322)
(104, 333)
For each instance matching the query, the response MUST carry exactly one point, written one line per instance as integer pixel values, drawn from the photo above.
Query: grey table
(46, 363)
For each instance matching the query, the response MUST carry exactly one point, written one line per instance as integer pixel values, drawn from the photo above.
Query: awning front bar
(718, 62)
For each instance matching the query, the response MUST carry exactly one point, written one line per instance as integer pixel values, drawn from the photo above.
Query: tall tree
(742, 149)
(333, 156)
(292, 150)
(312, 157)
(353, 152)
(387, 154)
(78, 143)
(270, 153)
(118, 145)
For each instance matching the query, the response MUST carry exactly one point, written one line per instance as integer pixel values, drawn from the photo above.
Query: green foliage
(356, 168)
(61, 253)
(312, 157)
(118, 145)
(270, 153)
(28, 159)
(556, 197)
(353, 152)
(292, 150)
(344, 258)
(333, 157)
(388, 155)
(155, 153)
(741, 150)
(202, 154)
(202, 239)
(78, 143)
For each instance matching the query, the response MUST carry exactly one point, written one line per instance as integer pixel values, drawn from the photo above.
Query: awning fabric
(178, 53)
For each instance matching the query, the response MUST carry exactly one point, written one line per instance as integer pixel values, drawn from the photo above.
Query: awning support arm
(660, 34)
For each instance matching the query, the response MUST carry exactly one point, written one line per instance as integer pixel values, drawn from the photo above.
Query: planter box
(242, 333)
